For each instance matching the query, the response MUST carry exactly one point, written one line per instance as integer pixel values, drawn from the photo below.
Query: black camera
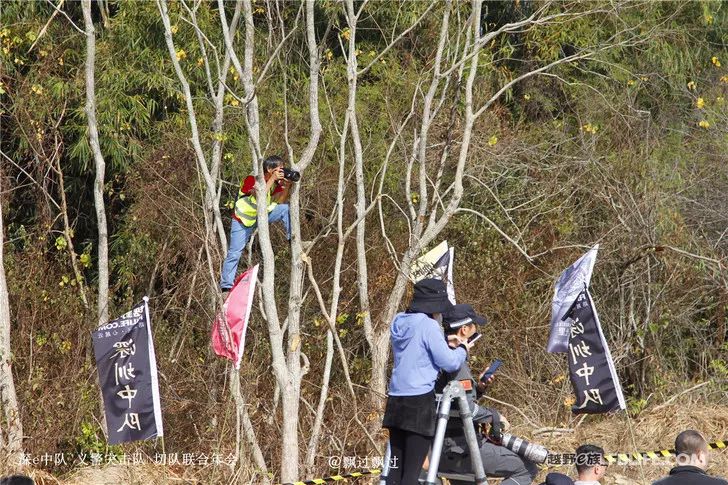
(292, 175)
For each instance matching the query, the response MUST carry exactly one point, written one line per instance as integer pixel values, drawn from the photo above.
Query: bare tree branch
(100, 166)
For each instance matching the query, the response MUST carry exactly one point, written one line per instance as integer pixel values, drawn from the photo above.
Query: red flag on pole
(228, 329)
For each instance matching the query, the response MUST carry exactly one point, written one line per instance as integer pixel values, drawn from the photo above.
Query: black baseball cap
(462, 314)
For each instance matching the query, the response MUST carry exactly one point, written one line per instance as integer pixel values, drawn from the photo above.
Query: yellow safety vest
(246, 208)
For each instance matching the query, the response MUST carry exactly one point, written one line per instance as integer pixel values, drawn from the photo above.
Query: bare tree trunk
(244, 424)
(213, 187)
(100, 166)
(210, 184)
(213, 193)
(380, 350)
(352, 78)
(285, 352)
(104, 9)
(286, 382)
(426, 227)
(8, 398)
(318, 420)
(292, 392)
(422, 236)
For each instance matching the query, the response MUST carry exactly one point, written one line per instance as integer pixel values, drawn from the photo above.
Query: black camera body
(292, 175)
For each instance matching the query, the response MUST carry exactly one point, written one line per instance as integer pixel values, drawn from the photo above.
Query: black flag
(591, 369)
(127, 368)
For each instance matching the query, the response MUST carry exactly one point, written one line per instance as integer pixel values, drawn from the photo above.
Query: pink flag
(228, 329)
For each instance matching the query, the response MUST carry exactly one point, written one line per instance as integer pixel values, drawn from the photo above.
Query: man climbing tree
(277, 186)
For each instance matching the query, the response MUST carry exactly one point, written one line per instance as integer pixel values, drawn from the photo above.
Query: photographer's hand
(453, 341)
(464, 342)
(482, 386)
(277, 174)
(274, 178)
(505, 425)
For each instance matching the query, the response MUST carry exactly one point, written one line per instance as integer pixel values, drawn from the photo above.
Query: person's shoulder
(557, 479)
(423, 326)
(248, 183)
(718, 481)
(428, 324)
(663, 481)
(404, 318)
(400, 315)
(418, 317)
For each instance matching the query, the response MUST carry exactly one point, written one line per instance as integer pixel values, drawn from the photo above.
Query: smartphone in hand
(491, 370)
(474, 337)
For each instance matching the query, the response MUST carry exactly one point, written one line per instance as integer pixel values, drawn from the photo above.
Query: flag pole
(155, 381)
(156, 403)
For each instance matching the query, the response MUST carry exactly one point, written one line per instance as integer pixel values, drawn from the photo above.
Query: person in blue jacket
(421, 350)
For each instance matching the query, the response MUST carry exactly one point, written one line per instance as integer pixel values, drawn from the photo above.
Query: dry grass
(652, 430)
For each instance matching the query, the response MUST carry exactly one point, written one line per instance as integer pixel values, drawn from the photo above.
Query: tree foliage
(625, 147)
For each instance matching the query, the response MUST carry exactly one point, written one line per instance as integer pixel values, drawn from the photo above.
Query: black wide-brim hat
(462, 314)
(430, 296)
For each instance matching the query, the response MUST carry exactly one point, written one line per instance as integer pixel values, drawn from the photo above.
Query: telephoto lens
(292, 175)
(530, 451)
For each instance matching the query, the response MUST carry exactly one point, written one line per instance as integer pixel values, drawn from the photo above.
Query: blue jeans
(239, 237)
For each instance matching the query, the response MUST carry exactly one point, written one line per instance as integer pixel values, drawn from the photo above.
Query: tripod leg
(442, 416)
(385, 465)
(467, 417)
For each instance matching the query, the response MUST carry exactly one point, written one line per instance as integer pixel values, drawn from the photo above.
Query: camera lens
(530, 451)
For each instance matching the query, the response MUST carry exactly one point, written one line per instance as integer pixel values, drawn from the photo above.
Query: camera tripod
(453, 390)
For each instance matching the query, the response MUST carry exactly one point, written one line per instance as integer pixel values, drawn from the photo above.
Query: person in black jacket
(692, 458)
(498, 461)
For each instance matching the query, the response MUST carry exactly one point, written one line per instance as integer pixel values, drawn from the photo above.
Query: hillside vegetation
(521, 132)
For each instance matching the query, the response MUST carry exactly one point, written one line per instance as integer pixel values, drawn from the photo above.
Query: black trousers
(408, 452)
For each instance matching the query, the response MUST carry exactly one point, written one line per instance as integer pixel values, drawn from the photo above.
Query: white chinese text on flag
(127, 367)
(437, 263)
